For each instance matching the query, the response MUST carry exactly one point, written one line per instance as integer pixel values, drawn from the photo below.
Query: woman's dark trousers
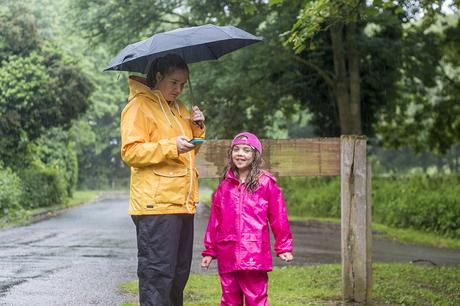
(165, 246)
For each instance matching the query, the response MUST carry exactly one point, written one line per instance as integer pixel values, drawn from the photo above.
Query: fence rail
(283, 157)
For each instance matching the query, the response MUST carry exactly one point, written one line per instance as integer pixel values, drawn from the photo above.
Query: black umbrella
(193, 44)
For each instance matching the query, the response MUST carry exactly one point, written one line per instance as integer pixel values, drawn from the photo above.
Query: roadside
(80, 197)
(394, 284)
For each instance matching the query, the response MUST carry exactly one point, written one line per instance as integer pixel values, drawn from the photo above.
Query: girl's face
(172, 84)
(242, 156)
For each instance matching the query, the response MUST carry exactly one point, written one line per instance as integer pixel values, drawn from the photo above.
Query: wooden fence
(344, 157)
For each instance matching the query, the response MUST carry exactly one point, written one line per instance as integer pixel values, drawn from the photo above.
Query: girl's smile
(242, 156)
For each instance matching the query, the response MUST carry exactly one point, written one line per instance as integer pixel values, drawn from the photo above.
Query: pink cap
(250, 140)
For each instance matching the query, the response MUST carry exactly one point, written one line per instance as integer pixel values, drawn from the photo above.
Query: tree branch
(450, 79)
(327, 76)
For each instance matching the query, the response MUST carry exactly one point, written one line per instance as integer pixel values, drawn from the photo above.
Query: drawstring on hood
(140, 87)
(162, 108)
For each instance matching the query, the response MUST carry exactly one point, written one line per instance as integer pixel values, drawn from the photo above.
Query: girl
(246, 200)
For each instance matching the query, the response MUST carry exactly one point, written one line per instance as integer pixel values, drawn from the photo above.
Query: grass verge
(393, 284)
(24, 217)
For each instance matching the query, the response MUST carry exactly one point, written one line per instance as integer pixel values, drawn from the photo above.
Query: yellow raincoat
(162, 180)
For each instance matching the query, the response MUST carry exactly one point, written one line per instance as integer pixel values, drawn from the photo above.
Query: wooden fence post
(356, 220)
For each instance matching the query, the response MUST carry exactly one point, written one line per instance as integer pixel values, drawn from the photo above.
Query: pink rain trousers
(252, 285)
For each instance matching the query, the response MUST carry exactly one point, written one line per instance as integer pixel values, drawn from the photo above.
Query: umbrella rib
(220, 29)
(212, 51)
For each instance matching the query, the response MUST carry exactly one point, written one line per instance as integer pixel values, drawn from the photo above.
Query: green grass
(393, 284)
(24, 217)
(83, 196)
(79, 197)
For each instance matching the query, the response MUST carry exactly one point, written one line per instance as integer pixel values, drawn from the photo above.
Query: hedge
(43, 187)
(424, 203)
(10, 191)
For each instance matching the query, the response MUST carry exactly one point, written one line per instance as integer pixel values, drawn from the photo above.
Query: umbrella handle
(191, 90)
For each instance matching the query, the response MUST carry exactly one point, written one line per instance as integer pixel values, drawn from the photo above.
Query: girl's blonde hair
(252, 181)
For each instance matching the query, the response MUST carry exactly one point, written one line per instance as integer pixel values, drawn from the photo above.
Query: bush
(312, 196)
(424, 203)
(54, 150)
(10, 192)
(43, 187)
(419, 202)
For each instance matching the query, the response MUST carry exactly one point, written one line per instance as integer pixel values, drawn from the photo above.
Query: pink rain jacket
(237, 233)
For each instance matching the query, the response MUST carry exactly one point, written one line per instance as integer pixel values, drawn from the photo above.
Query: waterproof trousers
(252, 285)
(165, 245)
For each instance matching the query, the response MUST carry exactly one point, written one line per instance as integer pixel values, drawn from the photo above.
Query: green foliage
(312, 197)
(428, 204)
(54, 150)
(10, 192)
(42, 187)
(40, 86)
(427, 113)
(122, 22)
(419, 202)
(18, 28)
(245, 90)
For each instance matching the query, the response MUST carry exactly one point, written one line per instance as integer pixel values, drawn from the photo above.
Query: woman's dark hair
(165, 65)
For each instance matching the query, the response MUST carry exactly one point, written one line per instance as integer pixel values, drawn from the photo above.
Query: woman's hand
(206, 261)
(197, 116)
(183, 146)
(287, 257)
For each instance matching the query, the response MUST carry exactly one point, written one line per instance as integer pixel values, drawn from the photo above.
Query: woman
(155, 133)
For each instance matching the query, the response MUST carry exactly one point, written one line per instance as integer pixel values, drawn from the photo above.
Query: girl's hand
(206, 261)
(287, 257)
(183, 145)
(197, 116)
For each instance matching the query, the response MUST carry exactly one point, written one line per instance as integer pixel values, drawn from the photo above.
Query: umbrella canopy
(193, 44)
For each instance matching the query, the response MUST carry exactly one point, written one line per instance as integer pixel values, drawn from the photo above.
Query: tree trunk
(340, 87)
(347, 82)
(354, 79)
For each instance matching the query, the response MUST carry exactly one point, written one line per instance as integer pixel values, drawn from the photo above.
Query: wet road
(81, 256)
(77, 258)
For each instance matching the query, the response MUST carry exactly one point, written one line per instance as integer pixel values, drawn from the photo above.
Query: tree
(40, 88)
(354, 65)
(427, 113)
(418, 60)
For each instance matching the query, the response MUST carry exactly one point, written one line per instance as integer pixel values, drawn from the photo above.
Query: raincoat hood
(137, 85)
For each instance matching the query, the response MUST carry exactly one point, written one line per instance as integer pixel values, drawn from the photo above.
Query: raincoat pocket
(171, 186)
(221, 237)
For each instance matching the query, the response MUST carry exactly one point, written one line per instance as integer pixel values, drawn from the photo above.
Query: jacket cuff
(209, 253)
(198, 131)
(169, 148)
(285, 247)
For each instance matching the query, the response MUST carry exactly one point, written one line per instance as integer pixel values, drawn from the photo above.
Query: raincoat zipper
(190, 163)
